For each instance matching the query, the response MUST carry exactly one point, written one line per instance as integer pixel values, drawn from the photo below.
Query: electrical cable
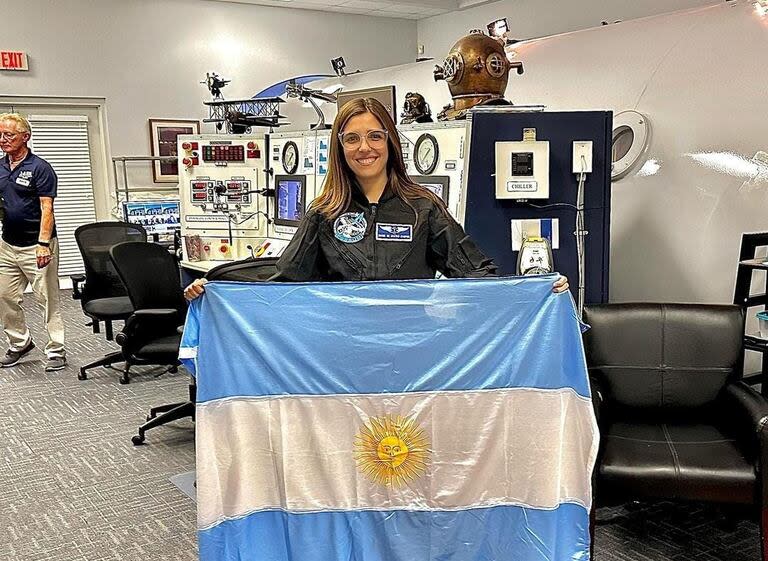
(580, 234)
(553, 205)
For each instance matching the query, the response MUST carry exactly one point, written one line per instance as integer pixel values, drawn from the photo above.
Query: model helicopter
(309, 95)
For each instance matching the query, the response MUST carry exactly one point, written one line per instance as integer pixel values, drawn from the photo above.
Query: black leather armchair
(103, 296)
(675, 421)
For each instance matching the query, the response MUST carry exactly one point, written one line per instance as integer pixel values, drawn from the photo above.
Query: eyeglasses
(8, 135)
(374, 139)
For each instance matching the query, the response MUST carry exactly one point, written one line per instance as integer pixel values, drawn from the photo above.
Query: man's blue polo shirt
(21, 190)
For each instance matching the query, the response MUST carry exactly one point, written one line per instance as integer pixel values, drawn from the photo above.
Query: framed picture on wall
(162, 135)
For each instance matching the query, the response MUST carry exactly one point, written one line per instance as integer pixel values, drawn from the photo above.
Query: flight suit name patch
(394, 232)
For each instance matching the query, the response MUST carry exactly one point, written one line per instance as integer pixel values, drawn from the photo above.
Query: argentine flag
(444, 420)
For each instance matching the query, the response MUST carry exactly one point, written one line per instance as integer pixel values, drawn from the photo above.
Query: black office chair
(247, 270)
(675, 421)
(103, 296)
(244, 271)
(151, 277)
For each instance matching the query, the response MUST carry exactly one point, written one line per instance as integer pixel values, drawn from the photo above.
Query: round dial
(290, 157)
(425, 154)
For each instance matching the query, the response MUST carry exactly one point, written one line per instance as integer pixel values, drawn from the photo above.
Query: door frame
(98, 137)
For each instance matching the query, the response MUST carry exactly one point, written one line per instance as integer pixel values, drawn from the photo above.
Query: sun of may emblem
(391, 450)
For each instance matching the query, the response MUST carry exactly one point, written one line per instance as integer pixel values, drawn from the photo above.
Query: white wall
(146, 57)
(537, 18)
(678, 216)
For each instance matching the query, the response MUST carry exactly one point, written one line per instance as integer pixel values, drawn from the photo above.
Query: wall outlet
(421, 49)
(582, 148)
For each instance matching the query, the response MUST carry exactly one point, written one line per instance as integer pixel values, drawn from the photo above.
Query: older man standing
(28, 249)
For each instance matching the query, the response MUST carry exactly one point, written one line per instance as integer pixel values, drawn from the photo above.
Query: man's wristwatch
(44, 244)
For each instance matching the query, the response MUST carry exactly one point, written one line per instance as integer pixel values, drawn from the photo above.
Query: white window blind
(62, 140)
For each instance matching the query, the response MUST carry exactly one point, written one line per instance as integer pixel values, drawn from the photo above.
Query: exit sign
(13, 60)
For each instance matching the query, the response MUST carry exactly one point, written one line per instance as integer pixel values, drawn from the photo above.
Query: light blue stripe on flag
(487, 534)
(410, 336)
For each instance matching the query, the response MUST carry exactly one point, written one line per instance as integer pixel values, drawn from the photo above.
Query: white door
(62, 140)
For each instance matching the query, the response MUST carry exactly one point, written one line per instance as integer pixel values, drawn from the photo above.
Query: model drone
(214, 84)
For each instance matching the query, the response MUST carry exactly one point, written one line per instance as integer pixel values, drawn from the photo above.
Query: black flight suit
(437, 243)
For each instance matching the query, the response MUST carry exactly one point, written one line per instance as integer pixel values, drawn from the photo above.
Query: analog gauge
(290, 157)
(425, 154)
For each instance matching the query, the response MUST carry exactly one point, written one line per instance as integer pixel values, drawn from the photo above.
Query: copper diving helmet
(477, 72)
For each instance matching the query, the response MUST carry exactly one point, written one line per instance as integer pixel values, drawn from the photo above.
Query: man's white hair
(21, 122)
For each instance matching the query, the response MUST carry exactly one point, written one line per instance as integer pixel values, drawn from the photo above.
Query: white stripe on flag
(517, 446)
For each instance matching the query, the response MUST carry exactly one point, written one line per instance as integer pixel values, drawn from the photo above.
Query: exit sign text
(13, 60)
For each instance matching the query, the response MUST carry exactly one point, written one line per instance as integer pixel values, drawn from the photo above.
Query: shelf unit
(751, 243)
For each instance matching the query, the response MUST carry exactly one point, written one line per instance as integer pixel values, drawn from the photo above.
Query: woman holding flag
(371, 221)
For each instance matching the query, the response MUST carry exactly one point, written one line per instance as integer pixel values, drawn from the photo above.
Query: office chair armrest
(77, 291)
(156, 313)
(144, 325)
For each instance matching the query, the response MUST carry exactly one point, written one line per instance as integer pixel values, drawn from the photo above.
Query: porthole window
(622, 142)
(631, 133)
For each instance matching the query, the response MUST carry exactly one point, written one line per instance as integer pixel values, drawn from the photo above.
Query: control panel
(299, 162)
(236, 191)
(434, 155)
(223, 195)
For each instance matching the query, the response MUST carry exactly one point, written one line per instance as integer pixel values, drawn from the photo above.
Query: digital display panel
(436, 188)
(157, 217)
(223, 153)
(522, 164)
(290, 198)
(438, 184)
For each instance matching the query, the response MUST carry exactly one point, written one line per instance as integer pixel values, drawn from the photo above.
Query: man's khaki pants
(18, 269)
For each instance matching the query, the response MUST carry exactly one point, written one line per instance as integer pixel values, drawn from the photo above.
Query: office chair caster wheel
(82, 375)
(124, 379)
(138, 439)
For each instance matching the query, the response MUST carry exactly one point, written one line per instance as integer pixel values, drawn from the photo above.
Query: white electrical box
(582, 156)
(522, 169)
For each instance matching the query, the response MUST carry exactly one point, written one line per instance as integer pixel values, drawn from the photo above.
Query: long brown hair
(337, 189)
